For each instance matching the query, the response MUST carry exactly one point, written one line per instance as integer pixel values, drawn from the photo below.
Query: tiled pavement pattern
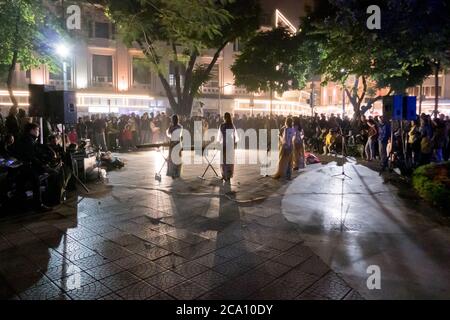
(136, 238)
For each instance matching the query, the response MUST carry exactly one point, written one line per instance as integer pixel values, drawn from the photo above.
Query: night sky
(292, 9)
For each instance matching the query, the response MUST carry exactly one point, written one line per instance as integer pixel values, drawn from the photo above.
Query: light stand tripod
(98, 159)
(210, 163)
(63, 129)
(343, 175)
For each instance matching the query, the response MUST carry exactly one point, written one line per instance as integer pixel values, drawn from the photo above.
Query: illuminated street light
(63, 51)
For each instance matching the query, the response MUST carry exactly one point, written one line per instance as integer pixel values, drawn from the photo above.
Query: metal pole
(271, 102)
(65, 75)
(420, 99)
(220, 102)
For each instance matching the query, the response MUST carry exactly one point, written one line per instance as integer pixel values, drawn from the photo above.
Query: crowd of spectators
(420, 142)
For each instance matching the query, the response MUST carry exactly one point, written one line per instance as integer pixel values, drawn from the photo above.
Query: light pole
(63, 52)
(220, 95)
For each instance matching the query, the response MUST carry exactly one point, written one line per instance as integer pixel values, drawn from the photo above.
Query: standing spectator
(100, 130)
(73, 136)
(90, 129)
(286, 147)
(372, 137)
(413, 147)
(145, 129)
(384, 133)
(81, 129)
(438, 140)
(426, 145)
(134, 130)
(12, 123)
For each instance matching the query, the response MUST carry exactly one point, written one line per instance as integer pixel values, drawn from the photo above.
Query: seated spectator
(33, 168)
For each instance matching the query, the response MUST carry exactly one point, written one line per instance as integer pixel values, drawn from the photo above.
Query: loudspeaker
(393, 107)
(410, 108)
(63, 107)
(38, 100)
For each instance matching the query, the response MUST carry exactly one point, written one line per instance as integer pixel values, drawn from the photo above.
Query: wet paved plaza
(138, 238)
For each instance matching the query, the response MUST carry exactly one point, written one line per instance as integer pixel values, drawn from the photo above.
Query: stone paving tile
(74, 281)
(314, 265)
(62, 271)
(138, 291)
(231, 269)
(230, 252)
(190, 269)
(92, 291)
(211, 260)
(28, 281)
(275, 291)
(267, 252)
(43, 292)
(290, 260)
(187, 290)
(300, 250)
(154, 253)
(273, 268)
(131, 261)
(329, 288)
(165, 280)
(170, 261)
(79, 254)
(146, 270)
(104, 271)
(119, 281)
(210, 279)
(161, 296)
(111, 297)
(91, 262)
(114, 254)
(353, 295)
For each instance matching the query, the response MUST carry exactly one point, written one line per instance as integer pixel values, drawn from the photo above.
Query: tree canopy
(335, 42)
(25, 29)
(178, 31)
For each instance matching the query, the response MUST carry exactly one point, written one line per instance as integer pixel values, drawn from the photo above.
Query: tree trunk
(9, 81)
(436, 89)
(12, 66)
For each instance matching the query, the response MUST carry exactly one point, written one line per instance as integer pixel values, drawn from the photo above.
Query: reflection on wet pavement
(355, 223)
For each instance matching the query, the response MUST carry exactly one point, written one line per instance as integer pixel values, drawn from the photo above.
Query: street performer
(175, 133)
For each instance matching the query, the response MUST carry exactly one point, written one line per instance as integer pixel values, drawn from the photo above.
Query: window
(101, 30)
(101, 69)
(28, 74)
(182, 71)
(237, 45)
(141, 72)
(213, 81)
(60, 75)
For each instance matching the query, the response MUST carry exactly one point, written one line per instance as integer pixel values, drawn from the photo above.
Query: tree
(176, 32)
(260, 69)
(24, 29)
(397, 56)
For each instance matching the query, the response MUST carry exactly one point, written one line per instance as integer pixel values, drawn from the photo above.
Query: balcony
(59, 84)
(102, 81)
